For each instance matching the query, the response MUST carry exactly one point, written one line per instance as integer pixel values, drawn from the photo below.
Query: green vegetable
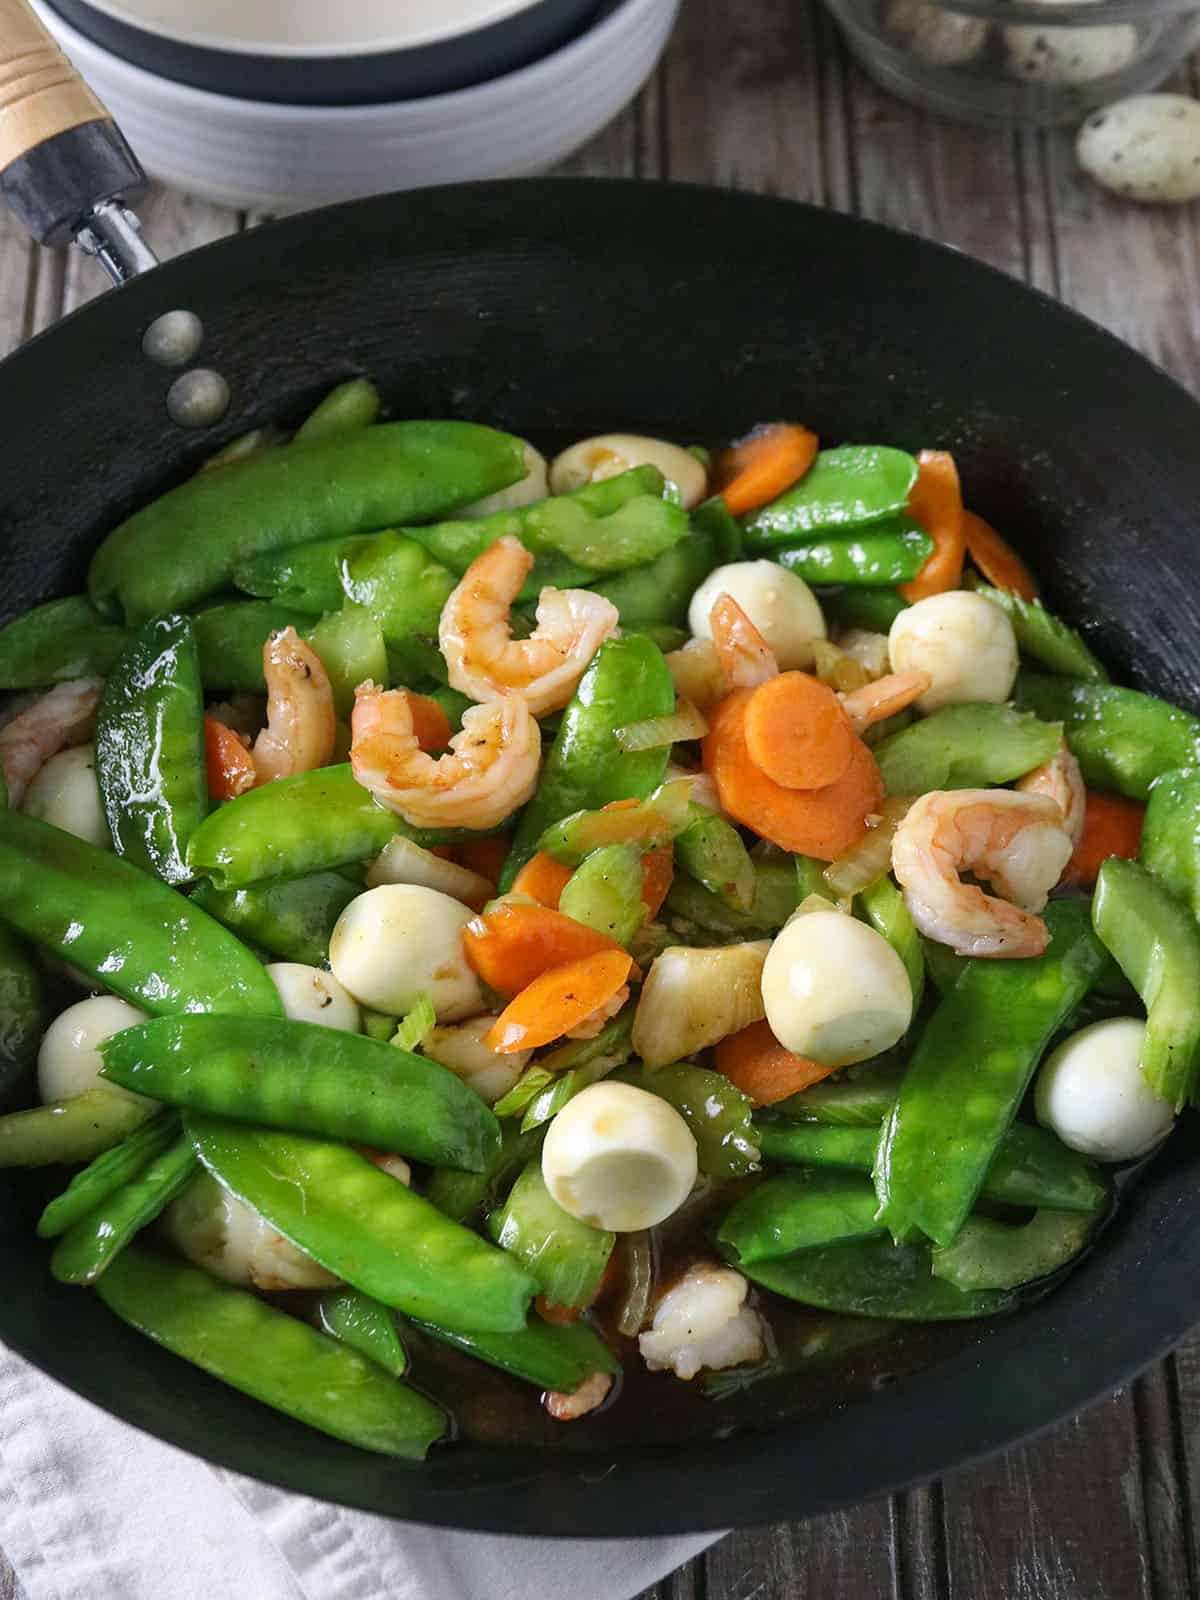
(188, 543)
(1122, 740)
(561, 1072)
(267, 1354)
(552, 1357)
(887, 912)
(605, 892)
(969, 1074)
(689, 905)
(1157, 945)
(872, 610)
(626, 682)
(658, 594)
(68, 1131)
(1042, 636)
(363, 1226)
(857, 1097)
(887, 552)
(460, 1195)
(351, 648)
(658, 819)
(128, 931)
(997, 1255)
(57, 641)
(971, 746)
(415, 1025)
(108, 1173)
(799, 1211)
(874, 1278)
(565, 1256)
(292, 918)
(394, 578)
(718, 1113)
(150, 748)
(22, 1010)
(1171, 837)
(844, 489)
(300, 1075)
(353, 404)
(90, 1245)
(944, 967)
(366, 1326)
(230, 639)
(711, 851)
(304, 577)
(379, 1025)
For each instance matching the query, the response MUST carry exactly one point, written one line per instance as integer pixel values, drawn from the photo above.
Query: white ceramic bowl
(257, 155)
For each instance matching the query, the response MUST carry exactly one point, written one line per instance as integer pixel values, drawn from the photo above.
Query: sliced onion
(685, 722)
(871, 858)
(697, 673)
(870, 649)
(693, 998)
(639, 1282)
(837, 669)
(402, 861)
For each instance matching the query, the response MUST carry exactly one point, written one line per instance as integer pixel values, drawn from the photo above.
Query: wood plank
(1156, 1404)
(1184, 1386)
(17, 269)
(848, 1553)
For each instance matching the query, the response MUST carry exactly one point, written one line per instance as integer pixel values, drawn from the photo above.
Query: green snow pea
(297, 826)
(1171, 835)
(654, 821)
(658, 594)
(627, 681)
(718, 1113)
(887, 912)
(269, 1355)
(1043, 636)
(1030, 1168)
(713, 518)
(304, 577)
(969, 1074)
(398, 583)
(67, 1131)
(302, 1076)
(57, 641)
(1122, 740)
(292, 918)
(556, 1358)
(605, 892)
(230, 639)
(972, 746)
(353, 404)
(711, 851)
(150, 748)
(566, 1257)
(128, 931)
(998, 1255)
(108, 1173)
(857, 1097)
(942, 965)
(22, 1011)
(460, 1195)
(873, 610)
(366, 1326)
(350, 645)
(844, 489)
(363, 1226)
(886, 552)
(874, 1278)
(1156, 943)
(187, 544)
(90, 1245)
(799, 1211)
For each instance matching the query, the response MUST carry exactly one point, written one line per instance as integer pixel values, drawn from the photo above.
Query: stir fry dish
(574, 915)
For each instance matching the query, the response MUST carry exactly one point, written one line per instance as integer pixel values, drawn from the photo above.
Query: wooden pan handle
(41, 94)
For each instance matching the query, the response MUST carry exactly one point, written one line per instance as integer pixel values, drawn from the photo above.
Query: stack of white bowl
(281, 104)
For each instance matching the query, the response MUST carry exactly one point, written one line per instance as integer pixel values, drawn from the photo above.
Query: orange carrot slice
(431, 725)
(936, 503)
(484, 856)
(745, 656)
(558, 1000)
(1112, 826)
(797, 732)
(758, 1064)
(996, 558)
(658, 873)
(230, 765)
(768, 461)
(542, 879)
(514, 944)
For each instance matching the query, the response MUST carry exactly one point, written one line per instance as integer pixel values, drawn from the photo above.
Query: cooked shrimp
(489, 770)
(877, 701)
(300, 731)
(702, 1321)
(1015, 841)
(486, 663)
(64, 717)
(592, 1392)
(745, 656)
(1062, 780)
(594, 1022)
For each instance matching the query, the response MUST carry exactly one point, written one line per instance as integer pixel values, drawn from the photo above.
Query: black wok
(558, 309)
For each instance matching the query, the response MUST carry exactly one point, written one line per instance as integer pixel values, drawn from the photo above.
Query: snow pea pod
(566, 1256)
(269, 1355)
(150, 748)
(605, 892)
(22, 1011)
(886, 552)
(1171, 836)
(873, 610)
(353, 404)
(970, 1071)
(305, 577)
(90, 1245)
(302, 1076)
(887, 911)
(1156, 943)
(292, 918)
(858, 1097)
(1122, 740)
(875, 1278)
(718, 1113)
(366, 1326)
(996, 1255)
(942, 965)
(657, 594)
(230, 639)
(799, 1211)
(128, 931)
(1043, 636)
(66, 1131)
(627, 681)
(351, 646)
(109, 1172)
(845, 488)
(970, 746)
(557, 1358)
(460, 1195)
(711, 851)
(187, 544)
(57, 641)
(364, 1227)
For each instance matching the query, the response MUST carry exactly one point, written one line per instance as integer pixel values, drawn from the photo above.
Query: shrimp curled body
(62, 718)
(1016, 842)
(301, 730)
(1062, 780)
(490, 769)
(485, 662)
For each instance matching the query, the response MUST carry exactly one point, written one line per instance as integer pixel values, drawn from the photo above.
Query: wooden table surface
(761, 96)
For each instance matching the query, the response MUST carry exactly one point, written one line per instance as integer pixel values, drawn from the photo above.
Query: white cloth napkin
(91, 1509)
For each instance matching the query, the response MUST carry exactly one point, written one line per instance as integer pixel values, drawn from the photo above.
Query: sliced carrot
(823, 823)
(797, 732)
(758, 1064)
(484, 856)
(768, 461)
(1112, 826)
(431, 725)
(514, 944)
(558, 1000)
(745, 656)
(877, 701)
(230, 765)
(658, 873)
(542, 879)
(996, 558)
(936, 503)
